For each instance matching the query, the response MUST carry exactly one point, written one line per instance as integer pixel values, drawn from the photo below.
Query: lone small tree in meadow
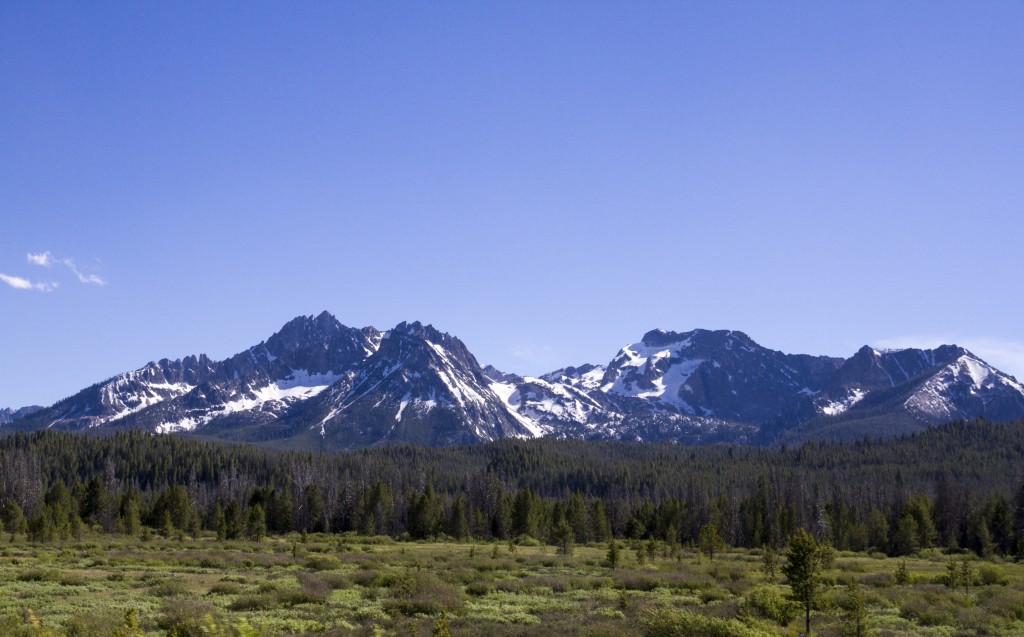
(441, 627)
(855, 612)
(565, 539)
(769, 562)
(802, 570)
(614, 557)
(966, 575)
(710, 541)
(902, 575)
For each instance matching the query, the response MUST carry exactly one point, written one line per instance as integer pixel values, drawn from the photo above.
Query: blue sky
(545, 180)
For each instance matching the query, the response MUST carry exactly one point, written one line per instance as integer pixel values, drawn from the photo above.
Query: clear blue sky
(545, 180)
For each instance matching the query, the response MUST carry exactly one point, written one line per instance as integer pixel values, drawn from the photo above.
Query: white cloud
(1005, 355)
(19, 283)
(89, 279)
(45, 259)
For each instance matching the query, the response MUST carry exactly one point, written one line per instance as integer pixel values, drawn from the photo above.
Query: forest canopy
(955, 486)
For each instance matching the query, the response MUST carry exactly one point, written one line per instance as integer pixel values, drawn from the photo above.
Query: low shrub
(1004, 602)
(636, 582)
(509, 585)
(768, 602)
(224, 588)
(365, 578)
(183, 616)
(96, 623)
(313, 586)
(526, 540)
(169, 588)
(670, 622)
(709, 595)
(254, 602)
(296, 596)
(479, 589)
(211, 561)
(322, 562)
(927, 611)
(73, 579)
(39, 575)
(423, 593)
(336, 580)
(878, 580)
(990, 574)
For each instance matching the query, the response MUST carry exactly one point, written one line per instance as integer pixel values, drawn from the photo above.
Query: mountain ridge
(317, 383)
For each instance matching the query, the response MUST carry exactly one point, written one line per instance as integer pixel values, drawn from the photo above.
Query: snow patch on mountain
(653, 372)
(834, 408)
(586, 377)
(511, 399)
(297, 386)
(462, 391)
(127, 402)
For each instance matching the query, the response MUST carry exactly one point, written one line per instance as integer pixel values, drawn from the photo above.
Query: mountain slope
(420, 386)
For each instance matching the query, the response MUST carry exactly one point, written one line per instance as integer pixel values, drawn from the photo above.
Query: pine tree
(802, 571)
(710, 541)
(564, 538)
(613, 556)
(77, 527)
(219, 523)
(902, 575)
(314, 509)
(256, 523)
(458, 524)
(14, 520)
(1018, 520)
(233, 523)
(952, 579)
(769, 562)
(966, 574)
(856, 614)
(441, 627)
(131, 522)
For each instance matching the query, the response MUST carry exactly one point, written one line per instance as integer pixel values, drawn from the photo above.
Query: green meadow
(322, 584)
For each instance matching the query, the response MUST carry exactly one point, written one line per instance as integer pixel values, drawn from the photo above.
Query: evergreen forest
(956, 487)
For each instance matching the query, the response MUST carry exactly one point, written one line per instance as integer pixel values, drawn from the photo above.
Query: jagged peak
(496, 375)
(418, 330)
(868, 352)
(572, 371)
(659, 337)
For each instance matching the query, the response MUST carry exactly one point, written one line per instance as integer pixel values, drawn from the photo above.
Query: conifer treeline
(956, 486)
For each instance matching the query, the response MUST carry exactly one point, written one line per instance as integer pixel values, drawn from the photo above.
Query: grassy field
(369, 586)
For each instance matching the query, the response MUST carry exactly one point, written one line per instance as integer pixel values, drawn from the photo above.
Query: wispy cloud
(47, 260)
(89, 279)
(1006, 355)
(19, 283)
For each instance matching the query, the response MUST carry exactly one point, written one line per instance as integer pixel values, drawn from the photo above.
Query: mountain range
(318, 384)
